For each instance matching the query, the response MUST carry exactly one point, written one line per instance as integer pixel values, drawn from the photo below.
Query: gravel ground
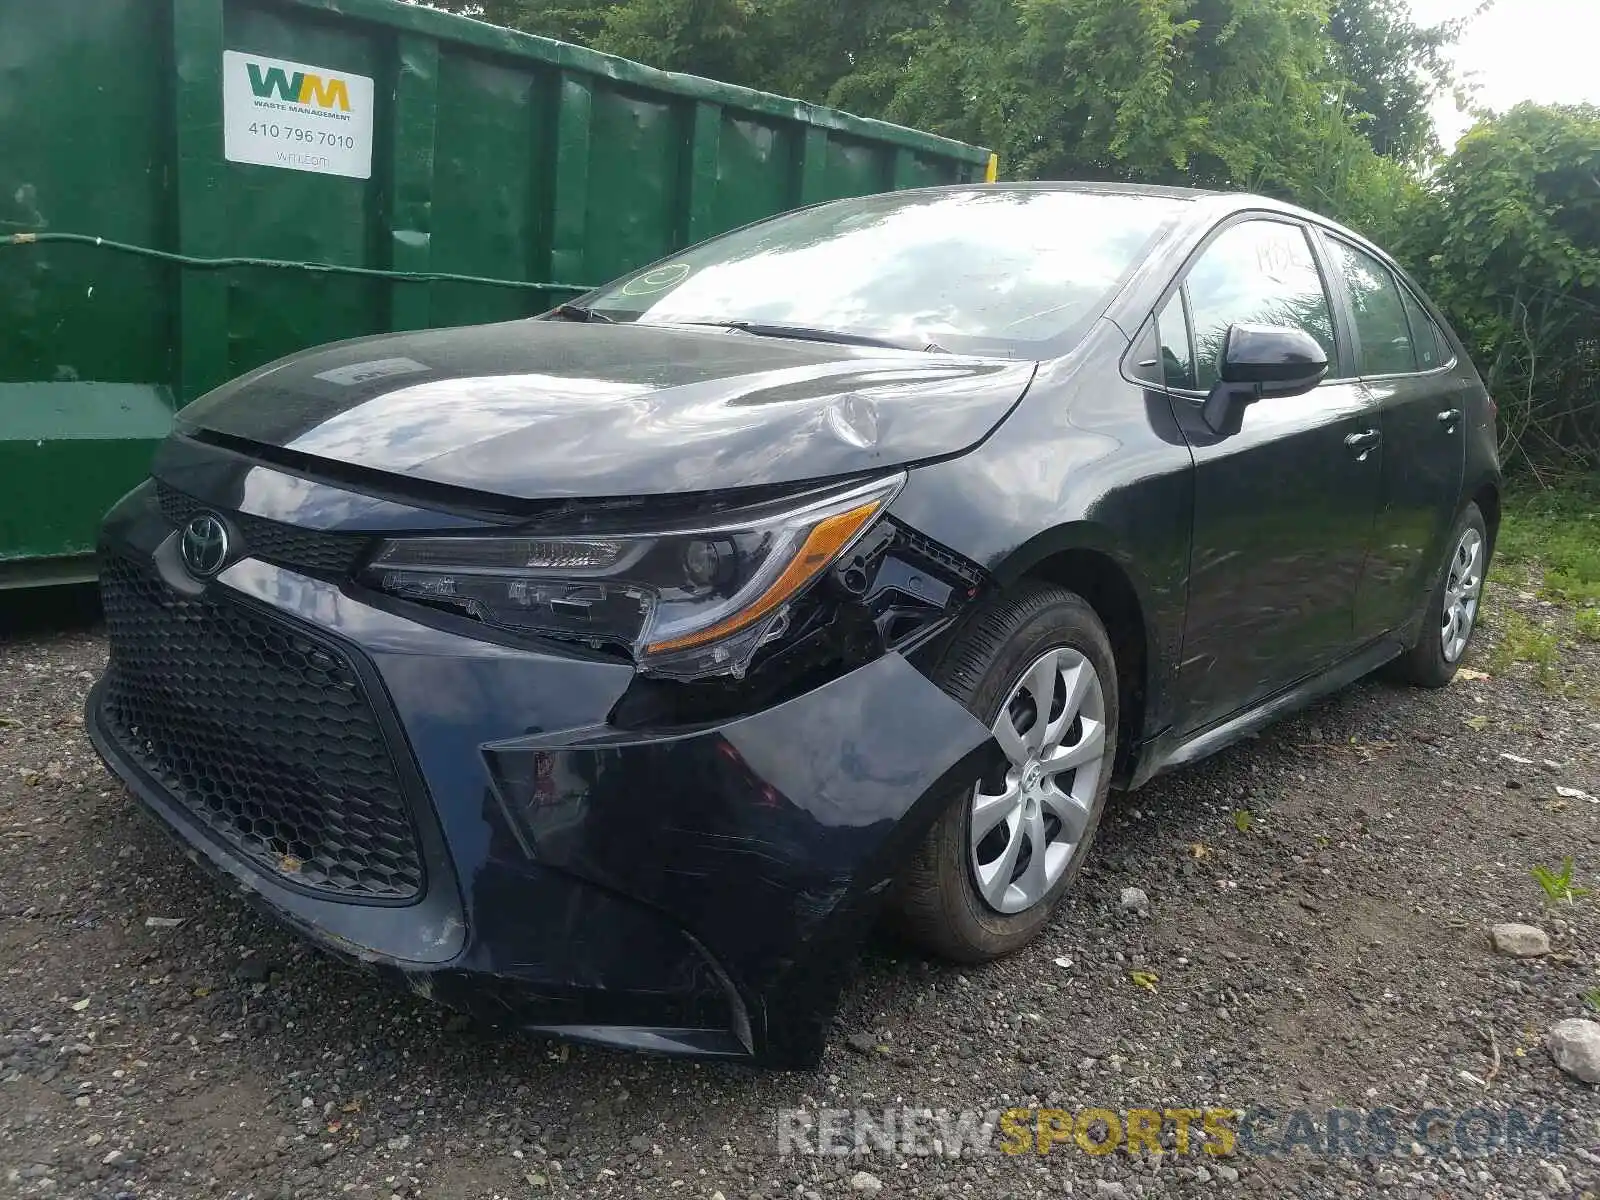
(1315, 937)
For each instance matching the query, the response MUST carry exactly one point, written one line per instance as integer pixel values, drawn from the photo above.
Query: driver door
(1284, 507)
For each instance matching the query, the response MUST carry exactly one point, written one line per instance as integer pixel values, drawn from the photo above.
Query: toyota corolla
(608, 673)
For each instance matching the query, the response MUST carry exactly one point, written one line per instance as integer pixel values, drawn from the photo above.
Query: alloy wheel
(1027, 826)
(1462, 589)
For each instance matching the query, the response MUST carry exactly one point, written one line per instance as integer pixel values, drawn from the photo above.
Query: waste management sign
(277, 113)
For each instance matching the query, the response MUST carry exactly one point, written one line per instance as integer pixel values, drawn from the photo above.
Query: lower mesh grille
(264, 733)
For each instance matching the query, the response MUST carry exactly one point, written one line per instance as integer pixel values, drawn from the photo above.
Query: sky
(1542, 50)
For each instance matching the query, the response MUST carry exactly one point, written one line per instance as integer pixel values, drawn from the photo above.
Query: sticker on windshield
(657, 279)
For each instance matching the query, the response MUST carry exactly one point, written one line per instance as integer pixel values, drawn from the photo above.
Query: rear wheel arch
(1487, 498)
(1449, 614)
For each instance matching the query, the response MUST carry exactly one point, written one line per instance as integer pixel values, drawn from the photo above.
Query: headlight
(685, 602)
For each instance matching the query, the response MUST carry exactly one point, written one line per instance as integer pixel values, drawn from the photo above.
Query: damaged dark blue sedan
(608, 673)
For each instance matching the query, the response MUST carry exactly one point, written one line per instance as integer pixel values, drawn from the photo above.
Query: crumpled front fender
(769, 838)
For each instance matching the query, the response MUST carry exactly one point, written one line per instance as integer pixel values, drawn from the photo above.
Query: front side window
(1259, 273)
(1380, 314)
(1016, 271)
(1177, 360)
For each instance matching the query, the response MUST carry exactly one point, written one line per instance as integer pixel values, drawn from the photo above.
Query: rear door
(1405, 365)
(1284, 507)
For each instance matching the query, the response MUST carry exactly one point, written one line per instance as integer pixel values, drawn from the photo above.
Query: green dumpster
(189, 188)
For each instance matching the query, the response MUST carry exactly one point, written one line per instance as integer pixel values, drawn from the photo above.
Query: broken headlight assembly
(685, 602)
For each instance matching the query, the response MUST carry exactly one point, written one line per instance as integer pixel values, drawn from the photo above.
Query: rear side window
(1261, 273)
(1432, 350)
(1380, 314)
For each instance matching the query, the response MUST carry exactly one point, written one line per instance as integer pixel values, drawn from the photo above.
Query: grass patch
(1588, 623)
(1557, 529)
(1508, 572)
(1522, 641)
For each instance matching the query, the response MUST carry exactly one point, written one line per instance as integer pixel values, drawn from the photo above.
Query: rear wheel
(1037, 668)
(1452, 607)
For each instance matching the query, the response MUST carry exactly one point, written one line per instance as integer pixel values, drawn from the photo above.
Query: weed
(1523, 641)
(1592, 999)
(1244, 820)
(1559, 887)
(1557, 529)
(1588, 623)
(1508, 572)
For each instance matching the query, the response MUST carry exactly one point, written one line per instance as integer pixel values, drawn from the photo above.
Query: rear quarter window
(1433, 349)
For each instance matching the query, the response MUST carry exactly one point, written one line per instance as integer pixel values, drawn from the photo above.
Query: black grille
(306, 550)
(263, 732)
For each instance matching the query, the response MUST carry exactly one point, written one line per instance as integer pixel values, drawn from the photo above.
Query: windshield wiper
(576, 312)
(810, 333)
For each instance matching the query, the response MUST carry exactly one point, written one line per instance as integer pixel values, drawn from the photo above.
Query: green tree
(577, 21)
(1395, 69)
(1509, 244)
(1213, 93)
(1274, 94)
(716, 38)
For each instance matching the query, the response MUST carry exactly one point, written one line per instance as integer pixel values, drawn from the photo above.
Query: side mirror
(1260, 362)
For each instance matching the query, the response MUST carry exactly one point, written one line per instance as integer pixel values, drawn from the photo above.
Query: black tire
(1424, 664)
(935, 901)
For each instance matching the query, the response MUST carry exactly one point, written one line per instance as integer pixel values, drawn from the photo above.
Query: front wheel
(1037, 668)
(1452, 612)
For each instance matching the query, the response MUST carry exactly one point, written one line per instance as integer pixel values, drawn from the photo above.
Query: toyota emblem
(204, 546)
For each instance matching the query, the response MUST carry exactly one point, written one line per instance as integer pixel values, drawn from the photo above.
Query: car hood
(545, 409)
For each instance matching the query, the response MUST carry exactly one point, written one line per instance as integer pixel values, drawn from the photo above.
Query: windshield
(987, 271)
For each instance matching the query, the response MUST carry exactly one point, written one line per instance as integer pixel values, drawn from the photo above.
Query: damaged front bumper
(693, 891)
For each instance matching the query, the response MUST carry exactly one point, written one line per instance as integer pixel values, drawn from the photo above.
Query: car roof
(1214, 202)
(1111, 188)
(1084, 185)
(1208, 205)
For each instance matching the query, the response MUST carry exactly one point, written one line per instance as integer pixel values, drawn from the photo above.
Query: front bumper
(687, 891)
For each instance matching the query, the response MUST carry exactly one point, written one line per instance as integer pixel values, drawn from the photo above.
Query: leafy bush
(1509, 243)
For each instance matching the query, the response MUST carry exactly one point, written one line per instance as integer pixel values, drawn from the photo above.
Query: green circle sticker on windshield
(656, 279)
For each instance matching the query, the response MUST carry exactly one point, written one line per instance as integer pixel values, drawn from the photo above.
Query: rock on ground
(1520, 941)
(1575, 1045)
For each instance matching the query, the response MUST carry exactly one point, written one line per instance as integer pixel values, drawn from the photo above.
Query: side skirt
(1168, 750)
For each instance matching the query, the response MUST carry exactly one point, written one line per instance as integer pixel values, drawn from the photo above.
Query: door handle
(1364, 443)
(1448, 419)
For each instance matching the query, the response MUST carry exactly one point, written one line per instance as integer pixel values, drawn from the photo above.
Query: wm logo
(299, 88)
